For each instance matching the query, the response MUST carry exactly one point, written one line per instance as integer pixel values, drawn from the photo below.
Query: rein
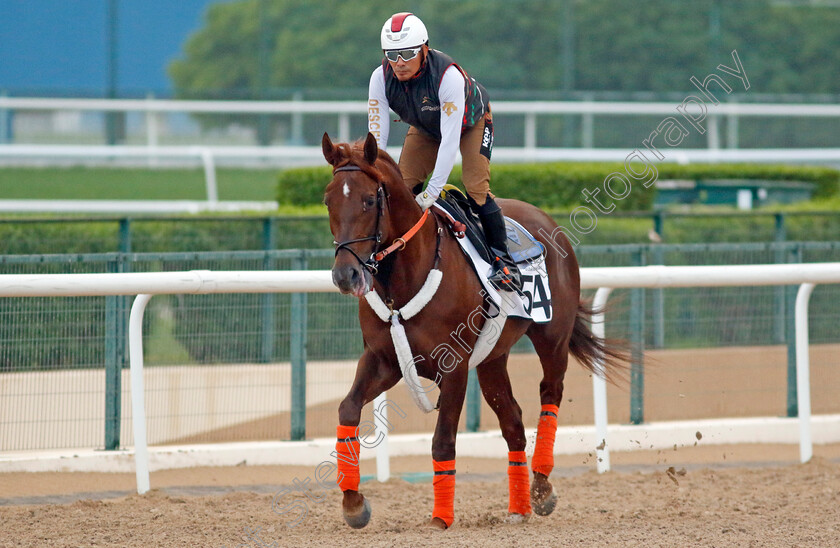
(377, 255)
(400, 242)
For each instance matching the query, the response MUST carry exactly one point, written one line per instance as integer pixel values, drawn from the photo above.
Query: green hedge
(220, 233)
(558, 185)
(314, 233)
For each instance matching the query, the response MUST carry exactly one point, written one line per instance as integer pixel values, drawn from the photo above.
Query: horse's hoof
(437, 523)
(517, 518)
(545, 506)
(360, 518)
(543, 499)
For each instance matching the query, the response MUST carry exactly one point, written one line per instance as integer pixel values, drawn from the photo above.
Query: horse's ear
(330, 151)
(371, 148)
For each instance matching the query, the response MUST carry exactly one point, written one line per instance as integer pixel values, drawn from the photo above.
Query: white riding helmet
(403, 30)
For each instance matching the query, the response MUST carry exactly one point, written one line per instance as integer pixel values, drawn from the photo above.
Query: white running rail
(145, 285)
(532, 111)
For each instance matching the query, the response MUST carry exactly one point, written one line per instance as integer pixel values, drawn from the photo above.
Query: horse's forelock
(354, 154)
(346, 152)
(386, 170)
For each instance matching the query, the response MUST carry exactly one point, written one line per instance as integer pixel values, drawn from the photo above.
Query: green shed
(741, 193)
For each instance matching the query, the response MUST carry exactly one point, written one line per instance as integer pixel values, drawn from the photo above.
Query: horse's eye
(370, 201)
(326, 203)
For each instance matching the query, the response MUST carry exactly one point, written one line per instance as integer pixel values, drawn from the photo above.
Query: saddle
(521, 244)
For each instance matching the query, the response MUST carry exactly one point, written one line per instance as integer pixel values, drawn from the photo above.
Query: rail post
(473, 402)
(658, 295)
(116, 326)
(780, 235)
(297, 342)
(114, 358)
(209, 164)
(803, 372)
(794, 256)
(599, 385)
(530, 131)
(637, 341)
(269, 300)
(138, 404)
(732, 128)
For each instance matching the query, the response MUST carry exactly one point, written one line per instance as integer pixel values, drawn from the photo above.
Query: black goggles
(393, 55)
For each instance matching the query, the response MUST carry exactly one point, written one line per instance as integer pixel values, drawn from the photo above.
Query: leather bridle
(372, 263)
(376, 256)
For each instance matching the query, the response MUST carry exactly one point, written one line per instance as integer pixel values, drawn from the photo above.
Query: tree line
(264, 49)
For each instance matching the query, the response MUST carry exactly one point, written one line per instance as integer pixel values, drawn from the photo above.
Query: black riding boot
(506, 274)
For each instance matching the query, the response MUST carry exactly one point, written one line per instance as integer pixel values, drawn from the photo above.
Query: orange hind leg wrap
(543, 460)
(518, 483)
(444, 486)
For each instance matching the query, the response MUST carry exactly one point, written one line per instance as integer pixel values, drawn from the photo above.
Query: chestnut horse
(369, 207)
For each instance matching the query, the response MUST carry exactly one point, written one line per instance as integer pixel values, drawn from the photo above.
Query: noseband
(371, 264)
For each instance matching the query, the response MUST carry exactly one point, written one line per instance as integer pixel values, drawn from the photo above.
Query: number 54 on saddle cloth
(526, 251)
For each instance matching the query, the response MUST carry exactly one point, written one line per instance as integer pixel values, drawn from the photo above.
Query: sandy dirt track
(744, 495)
(751, 501)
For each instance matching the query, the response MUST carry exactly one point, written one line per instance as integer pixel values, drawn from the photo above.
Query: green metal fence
(714, 316)
(50, 347)
(26, 236)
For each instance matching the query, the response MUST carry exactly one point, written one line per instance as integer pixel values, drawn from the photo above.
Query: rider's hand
(425, 200)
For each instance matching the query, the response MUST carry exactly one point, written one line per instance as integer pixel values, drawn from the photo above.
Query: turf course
(84, 183)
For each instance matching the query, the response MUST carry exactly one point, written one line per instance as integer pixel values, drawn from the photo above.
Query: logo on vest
(449, 108)
(429, 105)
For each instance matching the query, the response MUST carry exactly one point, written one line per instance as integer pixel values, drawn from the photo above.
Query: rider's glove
(425, 200)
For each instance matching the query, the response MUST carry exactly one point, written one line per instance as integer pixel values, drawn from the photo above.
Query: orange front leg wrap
(347, 458)
(518, 483)
(444, 485)
(543, 460)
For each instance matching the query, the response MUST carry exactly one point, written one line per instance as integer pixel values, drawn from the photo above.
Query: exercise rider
(447, 110)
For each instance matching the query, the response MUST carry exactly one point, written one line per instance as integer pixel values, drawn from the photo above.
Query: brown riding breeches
(419, 153)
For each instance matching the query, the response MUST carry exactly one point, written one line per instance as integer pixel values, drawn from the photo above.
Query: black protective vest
(417, 102)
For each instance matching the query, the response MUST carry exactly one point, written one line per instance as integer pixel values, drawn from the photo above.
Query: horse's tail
(607, 358)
